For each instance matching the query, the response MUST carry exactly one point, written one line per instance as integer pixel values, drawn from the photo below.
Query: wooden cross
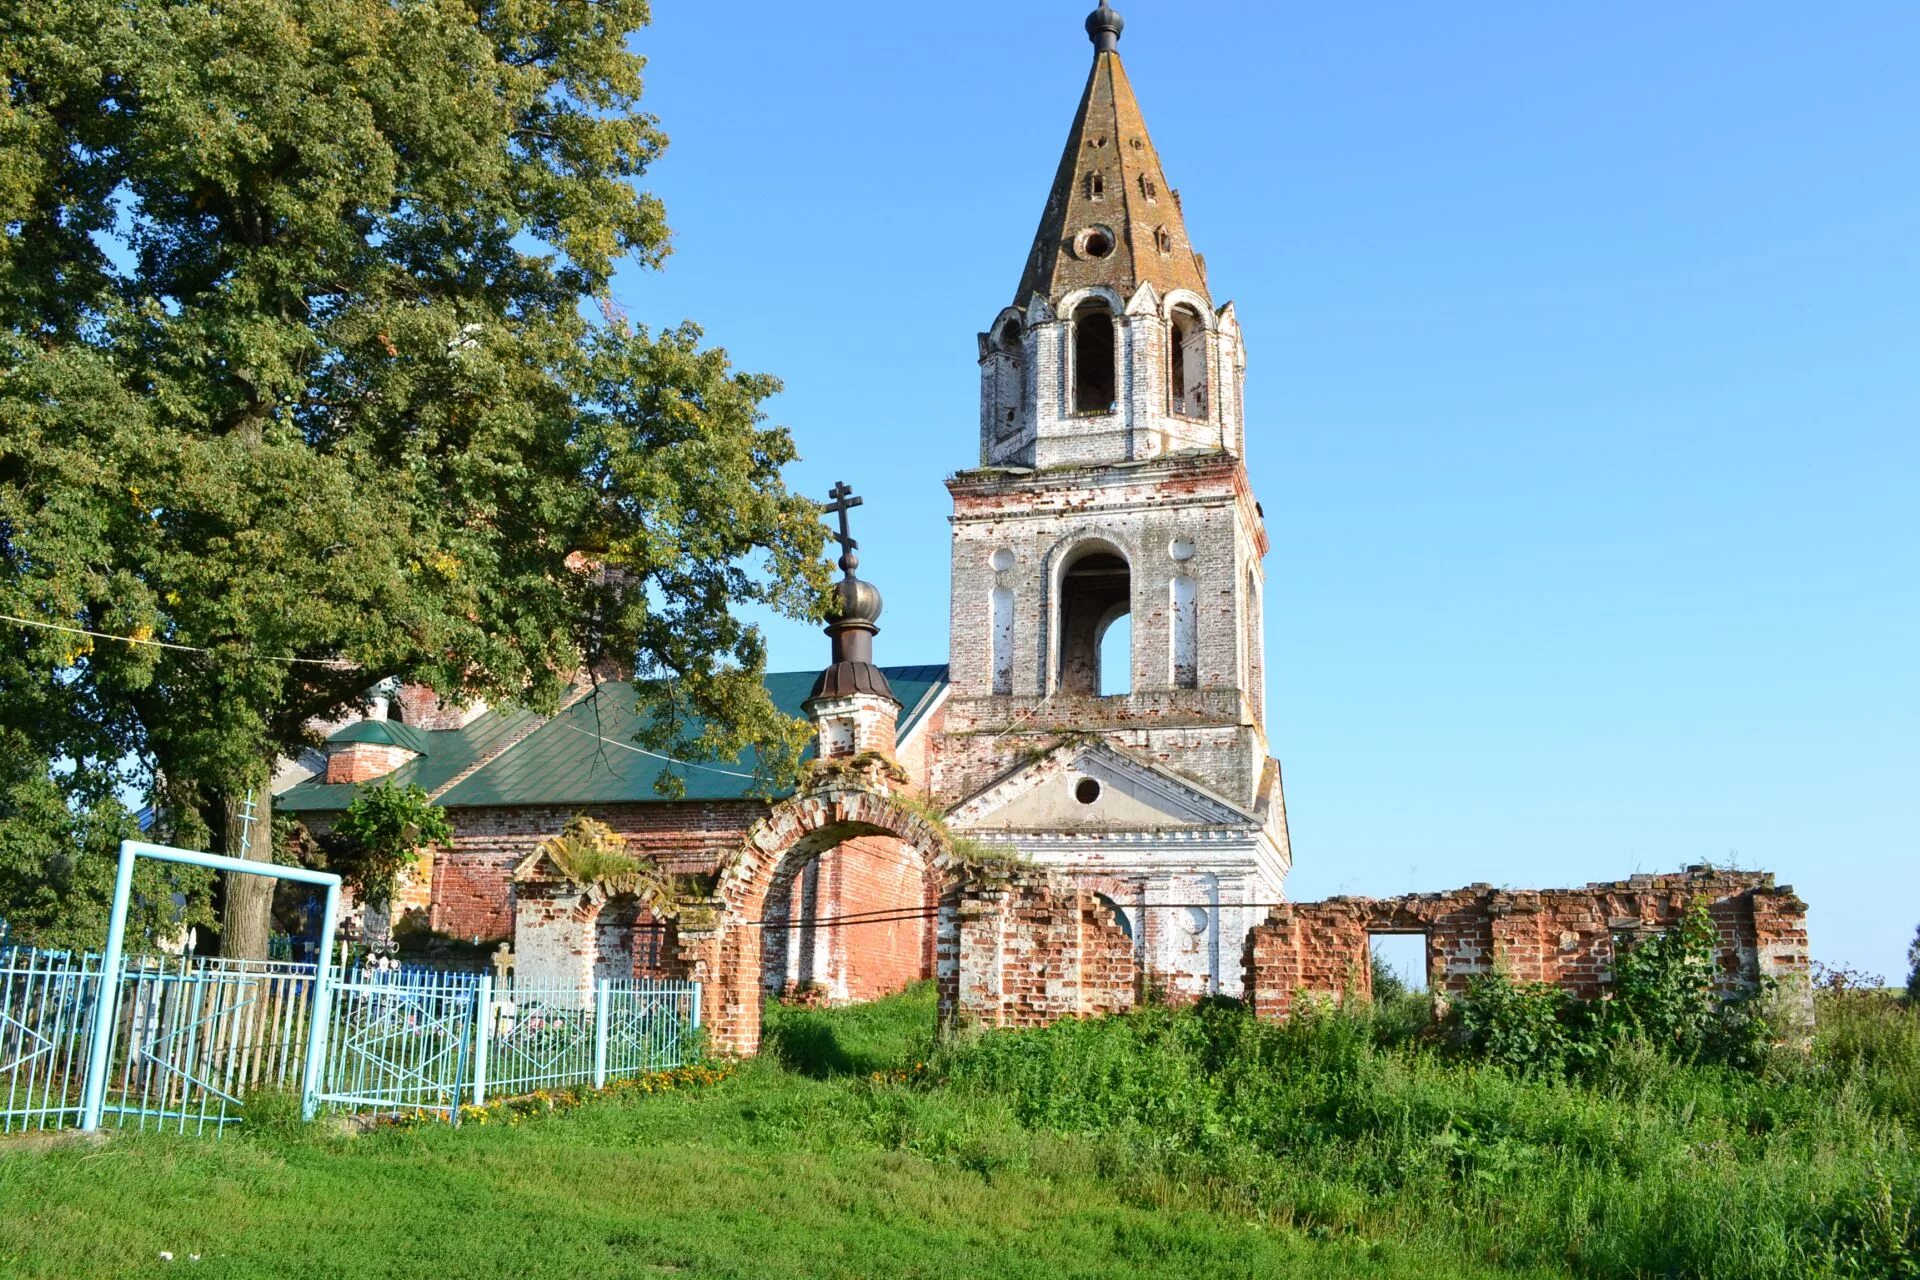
(843, 502)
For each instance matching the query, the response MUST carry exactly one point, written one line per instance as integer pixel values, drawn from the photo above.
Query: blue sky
(1583, 390)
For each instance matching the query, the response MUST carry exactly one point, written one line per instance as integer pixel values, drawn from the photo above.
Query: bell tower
(1111, 491)
(1107, 710)
(1112, 350)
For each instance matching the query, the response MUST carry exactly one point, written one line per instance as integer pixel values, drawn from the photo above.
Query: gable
(1094, 787)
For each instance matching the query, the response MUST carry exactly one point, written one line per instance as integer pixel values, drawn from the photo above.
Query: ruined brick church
(1053, 823)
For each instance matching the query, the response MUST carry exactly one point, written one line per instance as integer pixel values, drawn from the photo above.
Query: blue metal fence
(190, 1039)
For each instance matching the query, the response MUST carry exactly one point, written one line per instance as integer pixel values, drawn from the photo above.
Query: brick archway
(727, 954)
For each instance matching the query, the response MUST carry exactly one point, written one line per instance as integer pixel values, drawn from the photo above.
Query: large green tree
(306, 365)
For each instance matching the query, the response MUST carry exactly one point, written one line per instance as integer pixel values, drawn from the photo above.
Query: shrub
(382, 834)
(1913, 978)
(1663, 993)
(1519, 1025)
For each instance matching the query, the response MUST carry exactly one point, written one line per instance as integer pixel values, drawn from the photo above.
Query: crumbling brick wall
(559, 941)
(473, 891)
(1028, 950)
(1564, 936)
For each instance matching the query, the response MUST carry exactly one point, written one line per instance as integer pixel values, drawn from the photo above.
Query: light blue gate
(179, 1043)
(399, 1042)
(46, 1017)
(191, 1038)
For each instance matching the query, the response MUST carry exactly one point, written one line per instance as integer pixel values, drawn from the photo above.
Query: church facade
(1080, 808)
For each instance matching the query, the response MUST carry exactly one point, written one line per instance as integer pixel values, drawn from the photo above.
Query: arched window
(1186, 633)
(1008, 379)
(1188, 358)
(1149, 190)
(1096, 594)
(1002, 640)
(1093, 361)
(1096, 186)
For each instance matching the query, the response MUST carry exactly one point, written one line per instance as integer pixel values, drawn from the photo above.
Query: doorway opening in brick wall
(1398, 957)
(850, 923)
(628, 942)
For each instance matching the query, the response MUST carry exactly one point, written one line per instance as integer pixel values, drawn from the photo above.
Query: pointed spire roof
(1111, 218)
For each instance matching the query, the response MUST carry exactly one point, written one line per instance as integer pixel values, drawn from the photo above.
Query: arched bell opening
(1095, 385)
(1096, 596)
(1187, 360)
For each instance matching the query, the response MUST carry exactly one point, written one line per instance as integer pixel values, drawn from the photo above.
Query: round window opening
(1086, 791)
(1096, 243)
(1003, 558)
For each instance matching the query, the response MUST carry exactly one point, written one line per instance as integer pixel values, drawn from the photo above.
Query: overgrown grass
(1165, 1143)
(1335, 1124)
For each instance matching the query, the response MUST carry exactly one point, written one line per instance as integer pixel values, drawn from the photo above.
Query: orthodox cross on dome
(843, 502)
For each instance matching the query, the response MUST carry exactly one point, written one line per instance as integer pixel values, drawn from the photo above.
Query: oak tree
(306, 368)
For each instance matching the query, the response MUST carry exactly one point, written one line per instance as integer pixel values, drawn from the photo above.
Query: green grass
(1161, 1144)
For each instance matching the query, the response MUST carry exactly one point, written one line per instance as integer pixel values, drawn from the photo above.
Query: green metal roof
(586, 754)
(388, 732)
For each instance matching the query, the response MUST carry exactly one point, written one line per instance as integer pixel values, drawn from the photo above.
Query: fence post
(601, 991)
(482, 1037)
(93, 1095)
(696, 1006)
(312, 1083)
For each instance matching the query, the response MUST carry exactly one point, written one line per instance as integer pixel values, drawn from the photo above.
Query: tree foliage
(383, 833)
(300, 357)
(1913, 977)
(57, 866)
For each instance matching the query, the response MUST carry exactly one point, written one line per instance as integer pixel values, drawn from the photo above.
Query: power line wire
(335, 664)
(642, 751)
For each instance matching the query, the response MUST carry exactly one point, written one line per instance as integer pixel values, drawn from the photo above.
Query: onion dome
(855, 602)
(851, 624)
(1104, 27)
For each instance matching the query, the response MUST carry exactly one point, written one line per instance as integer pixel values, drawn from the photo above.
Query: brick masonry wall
(473, 893)
(1028, 951)
(1562, 936)
(421, 708)
(363, 761)
(567, 936)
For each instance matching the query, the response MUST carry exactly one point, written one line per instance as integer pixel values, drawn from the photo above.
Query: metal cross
(247, 819)
(843, 502)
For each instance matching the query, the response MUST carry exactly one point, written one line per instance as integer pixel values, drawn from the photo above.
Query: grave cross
(843, 502)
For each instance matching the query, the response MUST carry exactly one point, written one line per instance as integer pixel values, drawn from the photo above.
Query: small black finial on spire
(1104, 27)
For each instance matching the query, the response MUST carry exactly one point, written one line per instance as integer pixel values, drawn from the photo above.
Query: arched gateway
(834, 896)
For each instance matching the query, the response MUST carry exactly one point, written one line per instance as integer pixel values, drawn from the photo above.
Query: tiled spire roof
(1111, 195)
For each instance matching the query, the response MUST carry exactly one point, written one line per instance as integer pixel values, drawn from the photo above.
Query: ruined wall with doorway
(1567, 937)
(568, 936)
